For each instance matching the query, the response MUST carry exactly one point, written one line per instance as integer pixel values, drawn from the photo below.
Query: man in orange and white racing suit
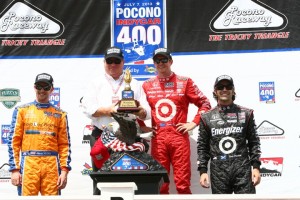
(39, 144)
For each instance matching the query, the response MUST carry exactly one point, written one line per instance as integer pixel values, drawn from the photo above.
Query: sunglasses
(221, 87)
(46, 87)
(111, 61)
(163, 60)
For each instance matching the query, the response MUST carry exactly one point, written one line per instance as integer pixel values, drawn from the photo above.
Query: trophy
(121, 156)
(127, 104)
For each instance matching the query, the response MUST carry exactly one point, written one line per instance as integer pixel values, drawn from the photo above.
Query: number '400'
(267, 92)
(139, 33)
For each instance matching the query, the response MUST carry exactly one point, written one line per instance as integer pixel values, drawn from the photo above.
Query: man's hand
(146, 129)
(204, 180)
(185, 127)
(105, 111)
(255, 176)
(62, 180)
(16, 178)
(142, 114)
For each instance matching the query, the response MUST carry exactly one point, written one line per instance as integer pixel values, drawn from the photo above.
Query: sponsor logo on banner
(9, 97)
(21, 19)
(247, 15)
(271, 167)
(297, 95)
(5, 129)
(4, 171)
(87, 169)
(255, 19)
(55, 97)
(267, 130)
(267, 92)
(87, 132)
(138, 27)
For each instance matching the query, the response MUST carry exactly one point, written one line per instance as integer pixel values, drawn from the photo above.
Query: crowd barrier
(125, 191)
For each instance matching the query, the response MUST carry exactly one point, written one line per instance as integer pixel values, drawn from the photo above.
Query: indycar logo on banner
(138, 27)
(271, 167)
(87, 132)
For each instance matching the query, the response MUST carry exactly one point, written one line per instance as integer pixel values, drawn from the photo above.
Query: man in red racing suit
(169, 96)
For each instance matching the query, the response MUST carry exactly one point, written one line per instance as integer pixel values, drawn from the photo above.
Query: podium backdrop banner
(255, 41)
(83, 27)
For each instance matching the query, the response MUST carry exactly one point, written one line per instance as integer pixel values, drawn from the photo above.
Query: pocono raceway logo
(248, 16)
(297, 95)
(271, 167)
(4, 173)
(21, 19)
(268, 130)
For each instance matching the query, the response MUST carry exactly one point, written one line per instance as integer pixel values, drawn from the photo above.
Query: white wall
(247, 70)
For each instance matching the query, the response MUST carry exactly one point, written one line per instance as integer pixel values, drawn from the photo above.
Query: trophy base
(128, 106)
(128, 110)
(148, 181)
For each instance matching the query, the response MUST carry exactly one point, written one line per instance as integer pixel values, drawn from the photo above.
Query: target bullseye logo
(165, 110)
(227, 145)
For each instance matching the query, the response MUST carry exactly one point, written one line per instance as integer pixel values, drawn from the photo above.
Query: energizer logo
(226, 131)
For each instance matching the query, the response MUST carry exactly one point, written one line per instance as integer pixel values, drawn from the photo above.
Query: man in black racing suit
(227, 137)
